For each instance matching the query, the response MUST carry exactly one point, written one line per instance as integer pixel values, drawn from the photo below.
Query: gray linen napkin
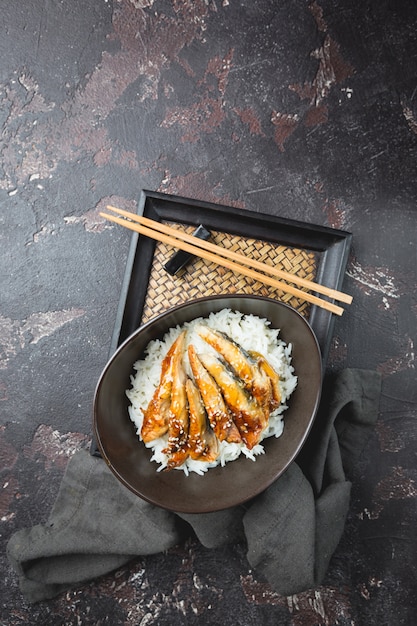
(291, 529)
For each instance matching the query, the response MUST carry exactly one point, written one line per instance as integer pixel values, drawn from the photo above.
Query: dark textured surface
(300, 109)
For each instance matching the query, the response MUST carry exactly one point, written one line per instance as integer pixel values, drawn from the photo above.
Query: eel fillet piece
(218, 414)
(273, 377)
(202, 442)
(157, 413)
(178, 422)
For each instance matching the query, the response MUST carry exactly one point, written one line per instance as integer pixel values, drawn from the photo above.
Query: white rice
(250, 332)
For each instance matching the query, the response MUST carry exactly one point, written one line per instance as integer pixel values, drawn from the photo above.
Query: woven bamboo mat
(201, 278)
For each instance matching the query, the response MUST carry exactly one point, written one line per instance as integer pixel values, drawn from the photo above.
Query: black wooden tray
(331, 248)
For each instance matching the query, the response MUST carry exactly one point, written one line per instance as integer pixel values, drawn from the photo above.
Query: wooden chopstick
(171, 236)
(211, 247)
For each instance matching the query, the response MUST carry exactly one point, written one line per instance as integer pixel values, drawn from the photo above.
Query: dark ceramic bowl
(220, 487)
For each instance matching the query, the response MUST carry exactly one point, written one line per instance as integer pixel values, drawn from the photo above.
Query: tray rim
(332, 244)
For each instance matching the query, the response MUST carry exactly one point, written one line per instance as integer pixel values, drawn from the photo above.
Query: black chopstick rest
(180, 258)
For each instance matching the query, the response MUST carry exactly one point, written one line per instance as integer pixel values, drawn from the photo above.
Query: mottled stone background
(295, 108)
